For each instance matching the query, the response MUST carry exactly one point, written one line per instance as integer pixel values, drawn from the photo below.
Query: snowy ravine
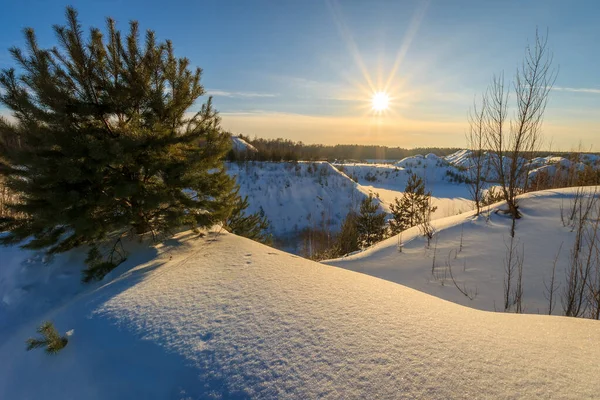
(297, 195)
(389, 180)
(224, 317)
(479, 265)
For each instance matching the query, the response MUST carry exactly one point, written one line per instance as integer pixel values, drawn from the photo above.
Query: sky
(307, 70)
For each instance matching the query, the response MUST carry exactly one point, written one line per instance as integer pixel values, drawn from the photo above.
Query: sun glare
(380, 101)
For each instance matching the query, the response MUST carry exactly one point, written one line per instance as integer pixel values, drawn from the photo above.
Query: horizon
(580, 150)
(308, 71)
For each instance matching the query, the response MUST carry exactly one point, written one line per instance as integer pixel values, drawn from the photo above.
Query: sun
(380, 101)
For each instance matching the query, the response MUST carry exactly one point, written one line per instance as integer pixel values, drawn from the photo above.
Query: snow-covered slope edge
(478, 265)
(297, 195)
(449, 196)
(240, 145)
(223, 317)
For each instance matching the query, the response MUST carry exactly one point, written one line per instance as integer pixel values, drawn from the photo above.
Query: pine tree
(348, 239)
(414, 208)
(51, 340)
(370, 223)
(107, 146)
(253, 226)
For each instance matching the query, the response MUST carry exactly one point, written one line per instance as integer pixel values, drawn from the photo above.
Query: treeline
(288, 150)
(561, 177)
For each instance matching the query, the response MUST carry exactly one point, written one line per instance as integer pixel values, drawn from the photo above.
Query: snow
(389, 181)
(297, 195)
(480, 264)
(551, 164)
(460, 157)
(224, 317)
(240, 145)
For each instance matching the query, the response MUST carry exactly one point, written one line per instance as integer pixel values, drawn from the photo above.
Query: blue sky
(306, 70)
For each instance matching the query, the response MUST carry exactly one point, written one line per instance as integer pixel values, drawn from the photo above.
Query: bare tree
(426, 229)
(477, 169)
(513, 264)
(550, 289)
(518, 295)
(586, 225)
(435, 243)
(468, 293)
(511, 141)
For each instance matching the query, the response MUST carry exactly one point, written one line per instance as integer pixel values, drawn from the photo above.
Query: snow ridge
(224, 317)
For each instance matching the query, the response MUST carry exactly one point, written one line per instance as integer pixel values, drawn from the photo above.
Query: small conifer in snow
(370, 222)
(51, 339)
(414, 208)
(253, 226)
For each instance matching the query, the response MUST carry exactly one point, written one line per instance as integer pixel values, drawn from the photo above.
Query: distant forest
(288, 150)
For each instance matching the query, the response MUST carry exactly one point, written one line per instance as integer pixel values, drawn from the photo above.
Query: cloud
(577, 90)
(245, 95)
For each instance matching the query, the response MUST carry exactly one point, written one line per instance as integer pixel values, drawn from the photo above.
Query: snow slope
(549, 164)
(479, 266)
(389, 181)
(295, 196)
(224, 317)
(240, 145)
(431, 168)
(298, 195)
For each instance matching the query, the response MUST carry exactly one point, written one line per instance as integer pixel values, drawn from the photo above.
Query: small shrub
(52, 340)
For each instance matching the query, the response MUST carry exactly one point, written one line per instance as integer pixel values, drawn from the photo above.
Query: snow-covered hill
(480, 265)
(388, 181)
(549, 164)
(297, 195)
(224, 317)
(240, 145)
(431, 168)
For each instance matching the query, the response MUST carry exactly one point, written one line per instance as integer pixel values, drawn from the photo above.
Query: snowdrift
(224, 317)
(478, 265)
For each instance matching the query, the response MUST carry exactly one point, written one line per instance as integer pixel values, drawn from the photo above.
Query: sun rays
(380, 102)
(384, 95)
